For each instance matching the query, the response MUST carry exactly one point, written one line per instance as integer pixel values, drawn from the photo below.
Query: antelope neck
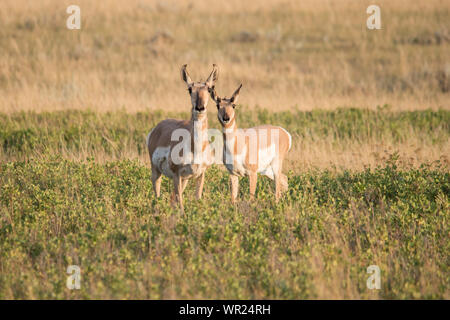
(199, 125)
(229, 135)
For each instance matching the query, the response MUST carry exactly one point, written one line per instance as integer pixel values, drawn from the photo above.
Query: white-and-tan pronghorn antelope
(164, 152)
(247, 152)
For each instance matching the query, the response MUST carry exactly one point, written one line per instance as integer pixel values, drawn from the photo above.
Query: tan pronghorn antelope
(177, 160)
(247, 152)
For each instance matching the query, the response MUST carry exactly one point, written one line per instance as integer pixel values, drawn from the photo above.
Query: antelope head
(199, 91)
(226, 107)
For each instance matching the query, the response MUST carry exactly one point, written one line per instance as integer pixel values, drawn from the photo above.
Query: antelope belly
(268, 172)
(265, 159)
(237, 165)
(160, 159)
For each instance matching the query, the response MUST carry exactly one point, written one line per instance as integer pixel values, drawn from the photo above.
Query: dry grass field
(288, 54)
(368, 110)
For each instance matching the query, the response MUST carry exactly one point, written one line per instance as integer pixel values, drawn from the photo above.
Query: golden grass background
(288, 54)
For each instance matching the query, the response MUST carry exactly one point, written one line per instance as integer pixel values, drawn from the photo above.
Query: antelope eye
(233, 105)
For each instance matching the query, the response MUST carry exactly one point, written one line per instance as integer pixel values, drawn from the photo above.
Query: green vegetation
(75, 189)
(317, 242)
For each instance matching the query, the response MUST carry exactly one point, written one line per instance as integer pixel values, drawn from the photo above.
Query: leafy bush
(316, 242)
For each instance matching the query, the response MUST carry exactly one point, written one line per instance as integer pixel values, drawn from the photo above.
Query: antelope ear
(214, 95)
(235, 95)
(185, 76)
(211, 81)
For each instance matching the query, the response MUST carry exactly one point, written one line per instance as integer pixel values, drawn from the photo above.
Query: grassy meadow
(316, 243)
(75, 189)
(369, 179)
(288, 54)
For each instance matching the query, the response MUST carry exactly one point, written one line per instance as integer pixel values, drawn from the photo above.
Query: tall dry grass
(288, 54)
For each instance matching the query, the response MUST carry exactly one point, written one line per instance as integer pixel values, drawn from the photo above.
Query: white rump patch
(290, 137)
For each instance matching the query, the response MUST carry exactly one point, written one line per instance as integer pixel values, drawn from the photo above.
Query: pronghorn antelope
(163, 151)
(248, 152)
